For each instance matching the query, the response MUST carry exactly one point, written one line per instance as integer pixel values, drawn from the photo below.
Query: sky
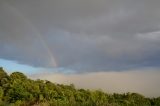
(105, 41)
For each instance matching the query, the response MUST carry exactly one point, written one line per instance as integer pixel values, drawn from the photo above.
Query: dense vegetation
(17, 90)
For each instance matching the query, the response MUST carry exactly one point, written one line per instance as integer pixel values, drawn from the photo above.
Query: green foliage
(3, 74)
(18, 90)
(3, 77)
(18, 75)
(1, 93)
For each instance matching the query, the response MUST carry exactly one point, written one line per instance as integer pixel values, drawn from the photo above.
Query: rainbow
(36, 33)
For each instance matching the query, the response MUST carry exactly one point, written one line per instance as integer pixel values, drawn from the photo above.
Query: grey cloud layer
(85, 35)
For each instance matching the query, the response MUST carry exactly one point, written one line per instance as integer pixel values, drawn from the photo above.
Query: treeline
(17, 90)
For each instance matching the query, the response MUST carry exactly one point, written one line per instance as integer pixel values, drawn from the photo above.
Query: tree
(18, 90)
(18, 75)
(1, 93)
(3, 75)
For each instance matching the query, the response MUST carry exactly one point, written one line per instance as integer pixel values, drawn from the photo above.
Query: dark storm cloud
(83, 35)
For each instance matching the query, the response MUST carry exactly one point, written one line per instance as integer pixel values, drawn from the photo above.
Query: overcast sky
(81, 36)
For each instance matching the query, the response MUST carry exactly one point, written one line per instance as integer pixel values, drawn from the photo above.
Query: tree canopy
(18, 90)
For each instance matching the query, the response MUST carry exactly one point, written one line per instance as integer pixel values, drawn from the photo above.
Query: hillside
(18, 90)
